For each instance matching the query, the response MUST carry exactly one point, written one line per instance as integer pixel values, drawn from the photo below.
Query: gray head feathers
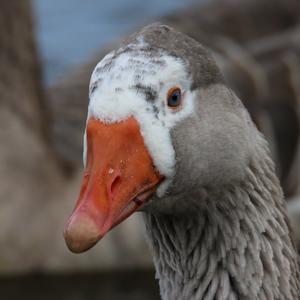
(219, 231)
(200, 64)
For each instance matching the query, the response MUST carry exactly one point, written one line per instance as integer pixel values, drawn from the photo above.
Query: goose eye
(174, 97)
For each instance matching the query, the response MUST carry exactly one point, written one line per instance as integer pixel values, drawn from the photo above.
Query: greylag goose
(166, 136)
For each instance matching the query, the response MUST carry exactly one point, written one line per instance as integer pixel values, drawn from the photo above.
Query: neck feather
(237, 246)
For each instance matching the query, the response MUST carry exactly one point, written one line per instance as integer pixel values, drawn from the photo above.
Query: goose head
(161, 126)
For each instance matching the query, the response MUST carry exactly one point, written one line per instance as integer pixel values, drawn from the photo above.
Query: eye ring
(174, 97)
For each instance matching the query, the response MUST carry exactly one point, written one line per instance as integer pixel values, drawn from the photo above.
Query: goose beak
(119, 177)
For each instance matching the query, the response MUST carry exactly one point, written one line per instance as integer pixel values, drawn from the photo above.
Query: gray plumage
(198, 60)
(221, 232)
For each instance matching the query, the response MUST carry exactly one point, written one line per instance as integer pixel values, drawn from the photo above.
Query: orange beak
(118, 179)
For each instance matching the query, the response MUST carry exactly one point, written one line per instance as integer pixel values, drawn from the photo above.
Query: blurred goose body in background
(166, 136)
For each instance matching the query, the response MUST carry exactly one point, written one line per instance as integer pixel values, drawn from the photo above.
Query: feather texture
(237, 245)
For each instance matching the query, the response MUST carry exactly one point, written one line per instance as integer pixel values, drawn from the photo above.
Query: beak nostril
(114, 185)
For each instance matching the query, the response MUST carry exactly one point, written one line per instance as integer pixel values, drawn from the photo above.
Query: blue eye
(174, 97)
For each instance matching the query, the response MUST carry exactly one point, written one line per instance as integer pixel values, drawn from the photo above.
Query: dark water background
(69, 31)
(124, 285)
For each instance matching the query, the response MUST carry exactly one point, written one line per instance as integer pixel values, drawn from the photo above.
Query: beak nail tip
(81, 233)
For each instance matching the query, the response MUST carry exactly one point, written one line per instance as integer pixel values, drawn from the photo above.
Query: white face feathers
(135, 82)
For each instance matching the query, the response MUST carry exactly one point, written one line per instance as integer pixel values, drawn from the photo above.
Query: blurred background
(48, 50)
